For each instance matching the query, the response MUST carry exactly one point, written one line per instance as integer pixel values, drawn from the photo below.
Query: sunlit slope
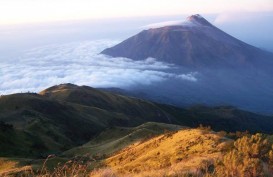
(186, 150)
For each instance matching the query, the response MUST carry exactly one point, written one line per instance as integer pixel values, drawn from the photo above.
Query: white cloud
(162, 24)
(185, 23)
(80, 63)
(190, 76)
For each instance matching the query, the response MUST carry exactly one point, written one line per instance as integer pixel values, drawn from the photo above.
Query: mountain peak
(195, 16)
(198, 19)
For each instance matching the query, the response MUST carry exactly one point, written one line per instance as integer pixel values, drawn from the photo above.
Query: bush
(247, 158)
(5, 127)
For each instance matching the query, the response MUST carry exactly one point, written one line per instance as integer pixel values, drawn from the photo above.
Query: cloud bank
(80, 63)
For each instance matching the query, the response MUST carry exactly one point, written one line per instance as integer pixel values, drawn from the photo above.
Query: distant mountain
(227, 70)
(194, 43)
(65, 116)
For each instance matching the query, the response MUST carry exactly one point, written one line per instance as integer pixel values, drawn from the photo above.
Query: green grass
(116, 138)
(106, 143)
(67, 118)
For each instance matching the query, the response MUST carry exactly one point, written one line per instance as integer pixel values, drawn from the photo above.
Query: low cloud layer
(80, 63)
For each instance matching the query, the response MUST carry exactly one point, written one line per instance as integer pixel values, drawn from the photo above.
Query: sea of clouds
(80, 63)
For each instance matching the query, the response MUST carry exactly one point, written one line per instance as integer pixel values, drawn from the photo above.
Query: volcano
(193, 43)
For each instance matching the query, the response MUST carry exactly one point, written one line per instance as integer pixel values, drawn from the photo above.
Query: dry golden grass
(6, 164)
(184, 151)
(190, 152)
(104, 172)
(50, 167)
(10, 167)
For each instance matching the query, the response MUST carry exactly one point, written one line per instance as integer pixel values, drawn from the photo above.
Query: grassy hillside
(66, 116)
(116, 138)
(186, 150)
(132, 107)
(194, 152)
(43, 125)
(103, 145)
(226, 118)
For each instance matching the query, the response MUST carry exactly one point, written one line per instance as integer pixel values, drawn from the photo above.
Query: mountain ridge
(64, 116)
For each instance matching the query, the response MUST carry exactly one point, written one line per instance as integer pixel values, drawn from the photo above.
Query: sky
(29, 11)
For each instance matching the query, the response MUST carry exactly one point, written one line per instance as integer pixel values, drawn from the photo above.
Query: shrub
(247, 158)
(5, 127)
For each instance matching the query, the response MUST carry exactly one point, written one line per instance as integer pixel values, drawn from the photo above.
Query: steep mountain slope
(194, 43)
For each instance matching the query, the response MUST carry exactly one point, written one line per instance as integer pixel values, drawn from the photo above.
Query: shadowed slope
(132, 107)
(43, 124)
(47, 125)
(226, 118)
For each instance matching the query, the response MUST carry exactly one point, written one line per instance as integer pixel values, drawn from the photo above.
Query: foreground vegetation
(188, 152)
(197, 152)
